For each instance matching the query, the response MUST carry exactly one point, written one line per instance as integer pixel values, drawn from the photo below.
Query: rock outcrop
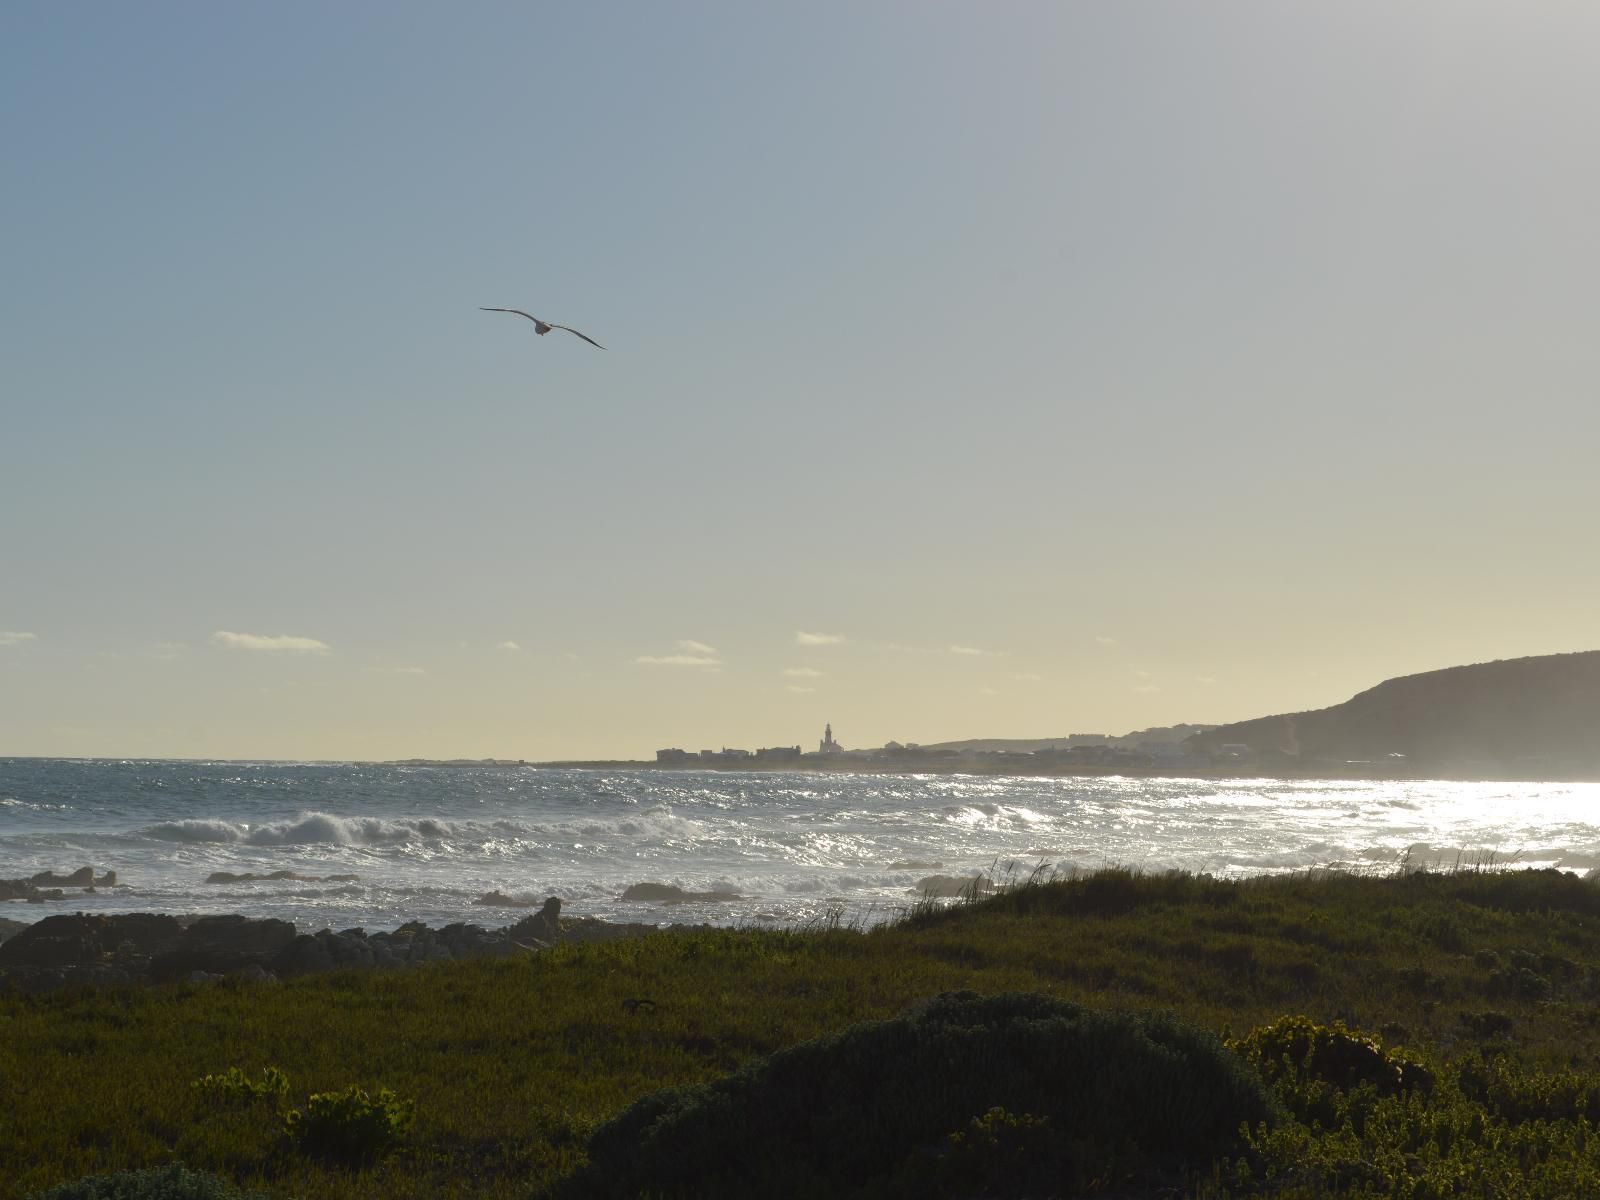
(541, 929)
(272, 876)
(223, 944)
(138, 948)
(47, 885)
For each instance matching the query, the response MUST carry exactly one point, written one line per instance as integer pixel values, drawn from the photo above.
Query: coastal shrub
(350, 1126)
(1488, 1024)
(1098, 1095)
(518, 1061)
(234, 1087)
(1297, 1048)
(998, 1153)
(172, 1182)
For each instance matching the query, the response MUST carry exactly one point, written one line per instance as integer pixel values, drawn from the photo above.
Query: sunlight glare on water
(426, 842)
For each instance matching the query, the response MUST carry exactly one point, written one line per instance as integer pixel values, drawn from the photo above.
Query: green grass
(1491, 979)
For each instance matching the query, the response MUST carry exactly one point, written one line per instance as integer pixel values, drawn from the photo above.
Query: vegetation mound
(1017, 1092)
(173, 1182)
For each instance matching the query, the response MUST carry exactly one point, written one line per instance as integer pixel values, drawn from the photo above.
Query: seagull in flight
(543, 327)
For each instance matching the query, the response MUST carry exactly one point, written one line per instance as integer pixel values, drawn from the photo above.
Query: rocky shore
(84, 949)
(47, 885)
(81, 949)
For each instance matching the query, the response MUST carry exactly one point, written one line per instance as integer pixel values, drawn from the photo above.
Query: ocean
(793, 847)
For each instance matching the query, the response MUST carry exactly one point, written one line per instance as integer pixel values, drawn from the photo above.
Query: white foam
(196, 830)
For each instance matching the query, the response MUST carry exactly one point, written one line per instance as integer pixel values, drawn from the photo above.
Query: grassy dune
(1489, 981)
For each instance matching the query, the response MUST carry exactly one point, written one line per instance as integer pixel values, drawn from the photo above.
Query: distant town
(1160, 749)
(1531, 718)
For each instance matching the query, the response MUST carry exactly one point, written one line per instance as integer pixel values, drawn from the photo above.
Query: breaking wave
(308, 829)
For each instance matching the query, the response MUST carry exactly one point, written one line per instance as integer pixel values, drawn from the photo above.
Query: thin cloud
(397, 670)
(1028, 676)
(799, 691)
(279, 644)
(512, 646)
(1106, 641)
(1208, 679)
(802, 638)
(14, 638)
(802, 672)
(975, 652)
(1147, 688)
(987, 691)
(690, 654)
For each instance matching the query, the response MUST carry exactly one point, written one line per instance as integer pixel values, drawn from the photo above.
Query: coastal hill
(1538, 715)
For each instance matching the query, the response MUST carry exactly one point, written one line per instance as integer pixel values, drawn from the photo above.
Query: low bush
(350, 1126)
(1297, 1047)
(174, 1182)
(234, 1087)
(1099, 1096)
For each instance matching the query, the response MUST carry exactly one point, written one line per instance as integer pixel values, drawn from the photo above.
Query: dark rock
(83, 949)
(323, 951)
(306, 955)
(250, 877)
(223, 944)
(499, 899)
(82, 877)
(543, 928)
(79, 939)
(666, 893)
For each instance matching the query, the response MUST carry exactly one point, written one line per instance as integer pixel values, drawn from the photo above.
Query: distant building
(828, 745)
(777, 754)
(673, 757)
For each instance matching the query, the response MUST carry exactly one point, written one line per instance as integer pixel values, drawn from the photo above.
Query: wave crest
(306, 829)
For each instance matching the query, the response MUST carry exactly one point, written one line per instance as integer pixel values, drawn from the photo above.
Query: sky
(1013, 369)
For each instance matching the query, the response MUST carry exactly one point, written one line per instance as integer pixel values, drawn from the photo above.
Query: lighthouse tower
(828, 745)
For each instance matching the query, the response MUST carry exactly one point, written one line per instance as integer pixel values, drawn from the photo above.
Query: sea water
(425, 842)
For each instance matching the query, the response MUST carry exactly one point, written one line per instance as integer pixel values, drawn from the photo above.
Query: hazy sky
(1003, 369)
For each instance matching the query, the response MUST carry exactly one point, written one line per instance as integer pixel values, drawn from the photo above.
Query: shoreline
(1378, 773)
(1350, 772)
(65, 950)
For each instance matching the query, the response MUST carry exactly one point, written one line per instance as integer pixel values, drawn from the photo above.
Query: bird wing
(584, 336)
(518, 311)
